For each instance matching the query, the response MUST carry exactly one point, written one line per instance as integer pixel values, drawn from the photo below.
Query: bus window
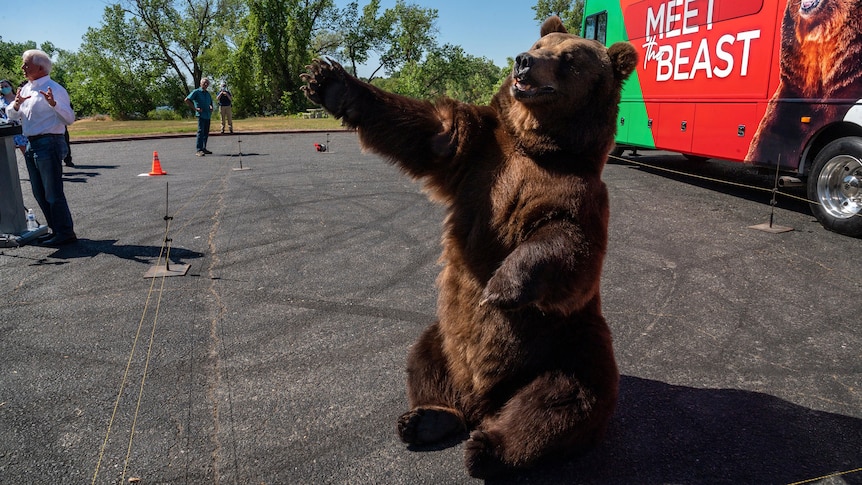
(596, 27)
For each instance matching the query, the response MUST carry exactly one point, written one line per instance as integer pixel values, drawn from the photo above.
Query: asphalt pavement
(278, 357)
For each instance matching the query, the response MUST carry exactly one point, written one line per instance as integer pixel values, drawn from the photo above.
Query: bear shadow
(662, 433)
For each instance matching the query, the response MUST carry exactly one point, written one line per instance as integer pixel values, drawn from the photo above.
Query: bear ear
(553, 24)
(624, 58)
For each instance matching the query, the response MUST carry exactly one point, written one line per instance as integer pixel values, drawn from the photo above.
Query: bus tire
(617, 151)
(835, 186)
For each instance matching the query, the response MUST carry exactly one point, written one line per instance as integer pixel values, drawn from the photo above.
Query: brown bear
(520, 354)
(821, 54)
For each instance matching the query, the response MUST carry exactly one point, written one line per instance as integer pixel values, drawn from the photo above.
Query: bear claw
(325, 84)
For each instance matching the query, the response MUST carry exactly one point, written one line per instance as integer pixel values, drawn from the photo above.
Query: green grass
(99, 128)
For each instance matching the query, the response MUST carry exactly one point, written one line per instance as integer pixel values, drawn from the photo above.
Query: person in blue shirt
(201, 101)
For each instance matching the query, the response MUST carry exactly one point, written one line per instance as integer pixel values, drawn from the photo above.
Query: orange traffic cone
(157, 166)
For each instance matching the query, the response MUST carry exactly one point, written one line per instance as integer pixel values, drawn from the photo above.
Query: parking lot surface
(278, 357)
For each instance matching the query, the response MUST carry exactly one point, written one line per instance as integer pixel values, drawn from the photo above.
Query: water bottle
(32, 225)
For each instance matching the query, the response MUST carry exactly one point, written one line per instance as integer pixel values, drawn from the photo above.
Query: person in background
(7, 97)
(201, 101)
(68, 159)
(225, 99)
(43, 108)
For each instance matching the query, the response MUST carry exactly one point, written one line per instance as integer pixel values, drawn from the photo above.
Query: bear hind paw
(481, 456)
(426, 425)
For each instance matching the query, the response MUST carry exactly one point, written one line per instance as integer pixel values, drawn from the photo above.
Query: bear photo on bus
(820, 81)
(821, 55)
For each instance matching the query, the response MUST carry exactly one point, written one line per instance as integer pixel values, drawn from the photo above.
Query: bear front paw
(481, 457)
(505, 293)
(428, 425)
(325, 84)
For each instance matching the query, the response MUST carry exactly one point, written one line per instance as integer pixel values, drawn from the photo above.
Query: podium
(13, 221)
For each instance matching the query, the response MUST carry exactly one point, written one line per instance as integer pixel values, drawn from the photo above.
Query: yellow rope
(824, 477)
(123, 381)
(720, 181)
(164, 251)
(689, 174)
(129, 364)
(143, 380)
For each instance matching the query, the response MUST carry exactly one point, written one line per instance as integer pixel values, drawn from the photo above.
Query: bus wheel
(617, 151)
(835, 186)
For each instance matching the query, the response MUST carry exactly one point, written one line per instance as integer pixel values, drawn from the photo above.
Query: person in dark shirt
(225, 100)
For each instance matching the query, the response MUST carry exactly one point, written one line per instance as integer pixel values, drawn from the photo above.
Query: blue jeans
(203, 133)
(44, 157)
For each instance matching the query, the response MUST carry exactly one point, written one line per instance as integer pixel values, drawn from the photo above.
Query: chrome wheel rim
(839, 187)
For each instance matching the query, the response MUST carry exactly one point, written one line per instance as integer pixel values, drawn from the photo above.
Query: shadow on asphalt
(83, 173)
(88, 248)
(235, 155)
(739, 180)
(78, 167)
(664, 433)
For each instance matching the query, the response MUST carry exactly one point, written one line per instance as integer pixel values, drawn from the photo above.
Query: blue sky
(491, 29)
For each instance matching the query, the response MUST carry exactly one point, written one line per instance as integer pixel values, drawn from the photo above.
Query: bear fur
(821, 55)
(520, 355)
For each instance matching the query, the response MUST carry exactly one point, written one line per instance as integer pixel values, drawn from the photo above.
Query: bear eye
(567, 63)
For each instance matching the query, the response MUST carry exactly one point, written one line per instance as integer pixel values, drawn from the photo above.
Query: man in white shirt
(42, 105)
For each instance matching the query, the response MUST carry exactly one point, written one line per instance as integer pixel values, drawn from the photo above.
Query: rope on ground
(718, 181)
(163, 252)
(124, 380)
(824, 477)
(143, 379)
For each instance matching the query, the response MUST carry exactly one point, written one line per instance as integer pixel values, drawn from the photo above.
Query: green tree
(273, 50)
(360, 35)
(10, 59)
(448, 71)
(570, 11)
(219, 59)
(146, 53)
(176, 33)
(412, 33)
(10, 62)
(400, 36)
(113, 72)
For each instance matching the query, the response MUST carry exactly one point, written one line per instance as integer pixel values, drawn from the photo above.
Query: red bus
(776, 83)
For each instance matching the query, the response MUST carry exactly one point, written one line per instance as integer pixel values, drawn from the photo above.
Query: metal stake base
(240, 168)
(167, 271)
(772, 229)
(178, 269)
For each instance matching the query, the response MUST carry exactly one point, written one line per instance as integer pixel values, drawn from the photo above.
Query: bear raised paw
(520, 356)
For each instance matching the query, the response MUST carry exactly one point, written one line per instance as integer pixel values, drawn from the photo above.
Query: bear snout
(523, 63)
(526, 75)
